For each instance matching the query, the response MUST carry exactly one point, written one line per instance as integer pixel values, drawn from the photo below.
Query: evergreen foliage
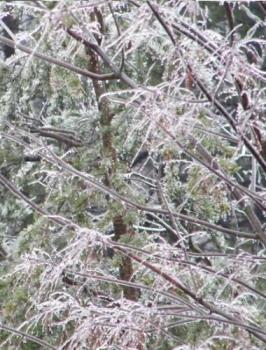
(132, 175)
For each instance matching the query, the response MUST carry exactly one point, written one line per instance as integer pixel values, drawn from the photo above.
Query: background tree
(133, 165)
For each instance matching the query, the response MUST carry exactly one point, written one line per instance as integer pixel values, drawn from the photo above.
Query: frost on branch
(132, 174)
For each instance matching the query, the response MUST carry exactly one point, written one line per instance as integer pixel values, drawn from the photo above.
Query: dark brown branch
(258, 333)
(162, 22)
(63, 137)
(53, 129)
(190, 318)
(192, 33)
(231, 121)
(187, 262)
(262, 5)
(118, 197)
(108, 149)
(217, 104)
(12, 188)
(230, 17)
(131, 203)
(57, 62)
(119, 35)
(97, 49)
(33, 158)
(32, 338)
(121, 282)
(214, 169)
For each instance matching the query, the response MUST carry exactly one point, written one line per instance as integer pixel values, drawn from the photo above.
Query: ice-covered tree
(133, 161)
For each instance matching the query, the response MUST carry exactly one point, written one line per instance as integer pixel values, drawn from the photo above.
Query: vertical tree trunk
(109, 152)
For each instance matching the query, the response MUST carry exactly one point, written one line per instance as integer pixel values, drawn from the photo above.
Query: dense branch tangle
(172, 278)
(108, 149)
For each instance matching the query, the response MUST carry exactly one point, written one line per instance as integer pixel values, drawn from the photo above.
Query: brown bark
(109, 152)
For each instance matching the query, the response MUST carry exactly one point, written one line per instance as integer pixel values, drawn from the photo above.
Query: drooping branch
(217, 104)
(27, 336)
(214, 167)
(99, 51)
(257, 332)
(185, 262)
(12, 188)
(56, 61)
(57, 161)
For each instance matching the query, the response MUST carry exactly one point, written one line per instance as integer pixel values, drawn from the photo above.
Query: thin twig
(115, 195)
(27, 336)
(57, 62)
